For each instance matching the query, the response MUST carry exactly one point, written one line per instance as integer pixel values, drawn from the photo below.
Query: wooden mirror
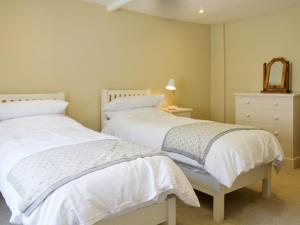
(276, 76)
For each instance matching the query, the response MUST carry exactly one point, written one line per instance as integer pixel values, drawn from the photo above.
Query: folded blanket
(37, 176)
(195, 140)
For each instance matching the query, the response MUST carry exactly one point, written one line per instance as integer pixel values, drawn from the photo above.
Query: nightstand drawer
(177, 111)
(182, 114)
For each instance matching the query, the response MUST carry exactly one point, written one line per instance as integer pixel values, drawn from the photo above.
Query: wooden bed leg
(171, 217)
(218, 207)
(267, 183)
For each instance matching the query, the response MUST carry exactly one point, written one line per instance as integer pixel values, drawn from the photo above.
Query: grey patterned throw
(37, 176)
(195, 140)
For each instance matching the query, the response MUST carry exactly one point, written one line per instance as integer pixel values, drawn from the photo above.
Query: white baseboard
(292, 163)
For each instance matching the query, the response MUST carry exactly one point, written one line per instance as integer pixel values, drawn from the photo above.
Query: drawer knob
(248, 115)
(276, 103)
(276, 133)
(276, 118)
(247, 102)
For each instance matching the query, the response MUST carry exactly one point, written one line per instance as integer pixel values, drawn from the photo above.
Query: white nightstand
(184, 112)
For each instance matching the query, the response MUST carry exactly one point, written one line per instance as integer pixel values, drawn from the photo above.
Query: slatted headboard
(4, 98)
(108, 95)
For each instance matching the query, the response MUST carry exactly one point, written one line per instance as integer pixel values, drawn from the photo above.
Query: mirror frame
(285, 78)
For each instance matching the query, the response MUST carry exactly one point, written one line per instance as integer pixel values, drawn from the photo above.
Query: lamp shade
(171, 85)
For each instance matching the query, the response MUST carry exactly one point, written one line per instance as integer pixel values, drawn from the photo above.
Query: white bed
(104, 197)
(237, 167)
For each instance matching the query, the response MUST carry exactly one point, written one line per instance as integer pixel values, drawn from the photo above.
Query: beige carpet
(243, 207)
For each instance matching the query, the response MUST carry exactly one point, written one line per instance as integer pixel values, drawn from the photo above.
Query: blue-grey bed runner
(195, 140)
(38, 175)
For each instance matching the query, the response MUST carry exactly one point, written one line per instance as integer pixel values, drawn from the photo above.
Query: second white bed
(234, 160)
(230, 155)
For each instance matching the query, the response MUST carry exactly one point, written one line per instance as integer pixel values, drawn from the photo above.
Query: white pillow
(139, 112)
(13, 110)
(133, 103)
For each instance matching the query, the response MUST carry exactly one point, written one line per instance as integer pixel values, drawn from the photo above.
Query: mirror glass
(275, 74)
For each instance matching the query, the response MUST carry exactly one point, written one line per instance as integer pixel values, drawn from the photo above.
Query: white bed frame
(108, 95)
(209, 185)
(5, 98)
(159, 213)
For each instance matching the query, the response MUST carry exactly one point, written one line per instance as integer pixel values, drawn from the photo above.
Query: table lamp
(171, 87)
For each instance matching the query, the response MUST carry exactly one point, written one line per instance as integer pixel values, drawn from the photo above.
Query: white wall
(248, 44)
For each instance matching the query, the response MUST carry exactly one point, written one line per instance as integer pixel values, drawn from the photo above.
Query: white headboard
(4, 98)
(108, 95)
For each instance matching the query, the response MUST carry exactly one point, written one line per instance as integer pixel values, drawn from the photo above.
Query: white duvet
(229, 156)
(93, 197)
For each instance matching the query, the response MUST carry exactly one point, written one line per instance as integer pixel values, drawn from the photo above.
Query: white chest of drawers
(276, 113)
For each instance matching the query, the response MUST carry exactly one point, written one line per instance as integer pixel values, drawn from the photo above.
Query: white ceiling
(216, 11)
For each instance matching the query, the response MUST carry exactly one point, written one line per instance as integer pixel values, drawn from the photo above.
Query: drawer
(269, 103)
(243, 117)
(279, 104)
(264, 116)
(284, 134)
(182, 114)
(243, 122)
(245, 102)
